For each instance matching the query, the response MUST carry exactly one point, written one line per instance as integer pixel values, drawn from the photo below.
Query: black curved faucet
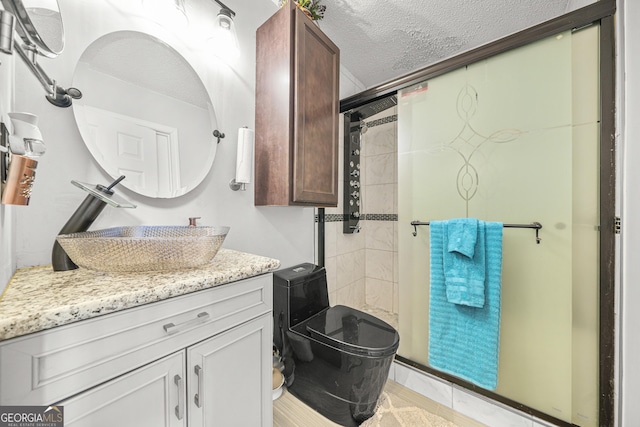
(80, 221)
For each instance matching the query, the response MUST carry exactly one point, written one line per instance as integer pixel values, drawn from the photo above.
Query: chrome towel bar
(535, 225)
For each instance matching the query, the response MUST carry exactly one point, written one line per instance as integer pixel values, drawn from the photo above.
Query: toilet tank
(299, 292)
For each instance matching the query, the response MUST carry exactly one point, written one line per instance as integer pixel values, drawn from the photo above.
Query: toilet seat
(353, 331)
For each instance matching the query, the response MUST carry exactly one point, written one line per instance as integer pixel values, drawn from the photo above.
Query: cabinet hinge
(617, 225)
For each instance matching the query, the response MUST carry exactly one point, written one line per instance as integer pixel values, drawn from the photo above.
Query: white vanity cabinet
(200, 359)
(227, 376)
(152, 395)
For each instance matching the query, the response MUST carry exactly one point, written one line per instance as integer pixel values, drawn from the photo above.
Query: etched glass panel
(514, 139)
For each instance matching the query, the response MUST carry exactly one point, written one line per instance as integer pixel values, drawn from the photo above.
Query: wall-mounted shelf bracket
(56, 95)
(218, 134)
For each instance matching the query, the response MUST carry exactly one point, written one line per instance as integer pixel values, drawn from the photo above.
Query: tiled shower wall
(379, 182)
(344, 253)
(362, 268)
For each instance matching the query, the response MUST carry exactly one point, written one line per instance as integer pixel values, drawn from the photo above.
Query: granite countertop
(39, 298)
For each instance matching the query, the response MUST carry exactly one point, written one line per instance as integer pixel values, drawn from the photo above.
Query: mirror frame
(28, 31)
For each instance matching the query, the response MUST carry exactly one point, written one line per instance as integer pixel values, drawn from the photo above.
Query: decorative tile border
(333, 218)
(363, 217)
(378, 122)
(380, 217)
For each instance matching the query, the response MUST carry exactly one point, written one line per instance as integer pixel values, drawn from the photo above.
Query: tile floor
(290, 412)
(439, 397)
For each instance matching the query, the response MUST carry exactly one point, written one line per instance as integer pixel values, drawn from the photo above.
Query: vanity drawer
(48, 366)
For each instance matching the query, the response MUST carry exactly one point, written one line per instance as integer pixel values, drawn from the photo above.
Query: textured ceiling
(380, 40)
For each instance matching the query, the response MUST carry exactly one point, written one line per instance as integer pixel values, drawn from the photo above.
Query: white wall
(629, 63)
(285, 233)
(7, 212)
(349, 84)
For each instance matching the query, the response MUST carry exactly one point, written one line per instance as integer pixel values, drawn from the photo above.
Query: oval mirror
(144, 114)
(39, 24)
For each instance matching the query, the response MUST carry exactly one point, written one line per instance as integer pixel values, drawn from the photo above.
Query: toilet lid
(354, 331)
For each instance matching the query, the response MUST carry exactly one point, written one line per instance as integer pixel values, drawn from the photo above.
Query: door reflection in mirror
(145, 114)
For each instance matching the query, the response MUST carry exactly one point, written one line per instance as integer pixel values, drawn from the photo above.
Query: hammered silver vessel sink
(144, 248)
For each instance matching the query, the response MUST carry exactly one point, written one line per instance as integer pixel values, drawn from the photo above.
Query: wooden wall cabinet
(297, 108)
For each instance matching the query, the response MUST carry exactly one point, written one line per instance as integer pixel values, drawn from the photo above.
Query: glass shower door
(514, 139)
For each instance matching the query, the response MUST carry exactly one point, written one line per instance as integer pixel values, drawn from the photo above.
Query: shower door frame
(602, 13)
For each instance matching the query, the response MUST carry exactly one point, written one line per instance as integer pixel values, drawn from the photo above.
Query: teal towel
(463, 340)
(462, 236)
(464, 261)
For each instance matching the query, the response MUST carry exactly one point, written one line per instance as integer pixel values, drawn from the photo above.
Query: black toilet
(337, 358)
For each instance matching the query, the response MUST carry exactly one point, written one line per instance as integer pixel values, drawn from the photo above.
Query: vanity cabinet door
(297, 112)
(229, 377)
(151, 396)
